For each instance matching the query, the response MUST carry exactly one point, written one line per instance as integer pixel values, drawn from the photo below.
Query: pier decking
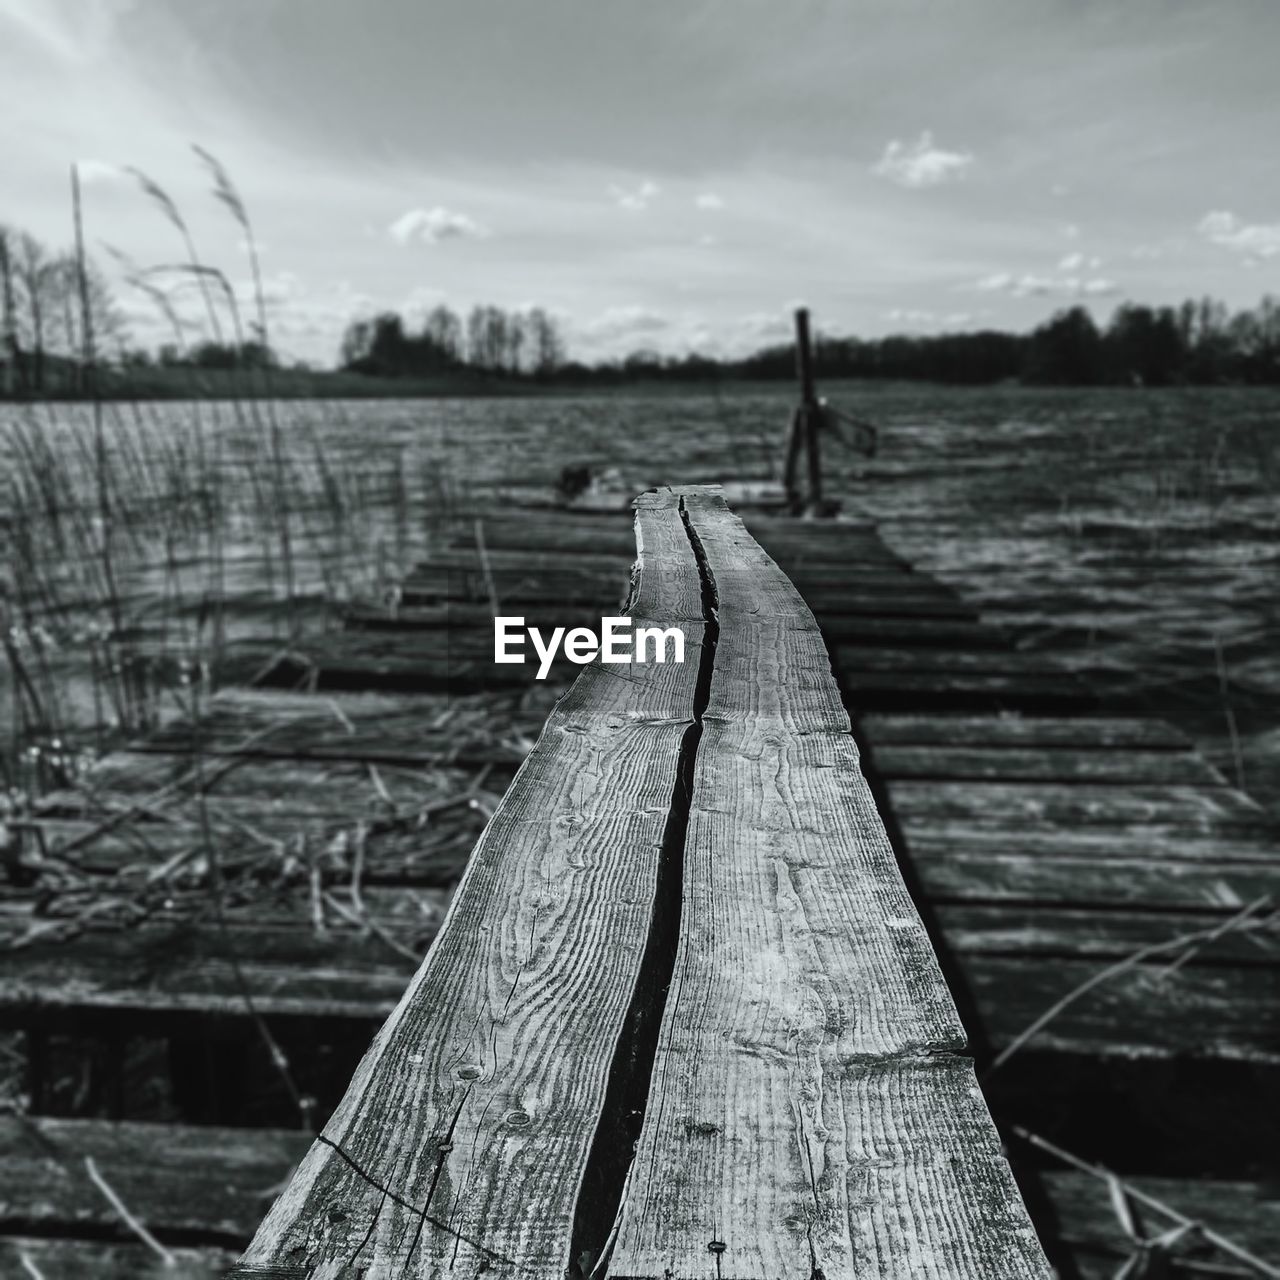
(1065, 854)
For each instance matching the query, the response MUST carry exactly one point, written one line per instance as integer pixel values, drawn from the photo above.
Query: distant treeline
(489, 339)
(44, 306)
(1197, 342)
(51, 316)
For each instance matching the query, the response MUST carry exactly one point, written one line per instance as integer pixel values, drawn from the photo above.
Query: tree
(444, 330)
(1067, 349)
(546, 346)
(357, 341)
(34, 273)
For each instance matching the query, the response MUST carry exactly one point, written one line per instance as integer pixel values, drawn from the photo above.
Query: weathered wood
(202, 1185)
(476, 1105)
(1087, 1228)
(96, 1260)
(456, 661)
(156, 975)
(1042, 930)
(1196, 1011)
(1195, 807)
(947, 874)
(1056, 764)
(961, 691)
(934, 836)
(805, 1115)
(411, 729)
(1093, 732)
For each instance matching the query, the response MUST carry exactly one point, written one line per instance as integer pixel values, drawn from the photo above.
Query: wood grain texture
(1095, 732)
(464, 1134)
(1197, 808)
(1197, 1011)
(1088, 1230)
(202, 1183)
(1035, 764)
(1059, 880)
(806, 1110)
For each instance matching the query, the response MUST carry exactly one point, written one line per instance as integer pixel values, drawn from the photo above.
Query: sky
(665, 174)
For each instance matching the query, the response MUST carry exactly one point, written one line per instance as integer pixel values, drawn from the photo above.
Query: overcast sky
(665, 174)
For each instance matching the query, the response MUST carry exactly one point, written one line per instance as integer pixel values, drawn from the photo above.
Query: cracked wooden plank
(463, 1138)
(808, 1113)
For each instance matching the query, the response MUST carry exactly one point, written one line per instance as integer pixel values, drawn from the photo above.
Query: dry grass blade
(29, 1266)
(1241, 921)
(130, 1220)
(1136, 1194)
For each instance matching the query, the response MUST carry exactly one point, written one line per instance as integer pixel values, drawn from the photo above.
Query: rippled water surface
(1132, 535)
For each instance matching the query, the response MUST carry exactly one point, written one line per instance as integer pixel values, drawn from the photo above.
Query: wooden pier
(1066, 856)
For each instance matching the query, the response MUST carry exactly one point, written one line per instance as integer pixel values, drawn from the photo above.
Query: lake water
(1131, 535)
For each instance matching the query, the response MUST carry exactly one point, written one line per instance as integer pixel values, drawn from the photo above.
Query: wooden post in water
(808, 420)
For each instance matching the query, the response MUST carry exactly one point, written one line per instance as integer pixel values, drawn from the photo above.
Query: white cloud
(919, 319)
(708, 200)
(1071, 231)
(623, 322)
(433, 225)
(1079, 261)
(1034, 286)
(921, 164)
(996, 283)
(1256, 240)
(636, 198)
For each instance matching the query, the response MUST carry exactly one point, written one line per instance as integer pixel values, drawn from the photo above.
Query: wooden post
(810, 412)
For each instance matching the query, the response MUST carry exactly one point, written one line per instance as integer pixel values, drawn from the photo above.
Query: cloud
(1256, 240)
(615, 323)
(433, 225)
(636, 198)
(918, 319)
(708, 200)
(1071, 230)
(921, 164)
(1079, 261)
(996, 283)
(1033, 286)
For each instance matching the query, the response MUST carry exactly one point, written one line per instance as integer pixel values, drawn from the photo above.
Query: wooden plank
(986, 661)
(1197, 1011)
(1198, 808)
(1149, 883)
(1087, 1229)
(168, 970)
(1039, 930)
(1055, 764)
(97, 1260)
(929, 836)
(411, 729)
(804, 1111)
(1094, 732)
(480, 1096)
(201, 1185)
(457, 661)
(944, 691)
